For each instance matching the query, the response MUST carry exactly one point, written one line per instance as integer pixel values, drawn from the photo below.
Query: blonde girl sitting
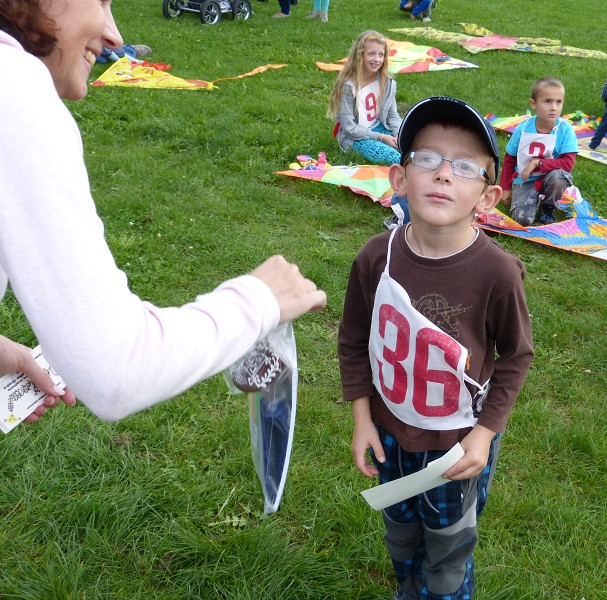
(363, 102)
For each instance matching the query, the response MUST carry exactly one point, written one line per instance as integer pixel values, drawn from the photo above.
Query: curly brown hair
(27, 22)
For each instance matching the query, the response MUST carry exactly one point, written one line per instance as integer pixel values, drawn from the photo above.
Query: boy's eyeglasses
(462, 167)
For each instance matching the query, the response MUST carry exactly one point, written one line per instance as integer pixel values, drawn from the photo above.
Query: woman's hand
(295, 294)
(16, 358)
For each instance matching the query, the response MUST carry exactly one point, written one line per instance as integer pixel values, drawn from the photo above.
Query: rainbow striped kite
(583, 232)
(477, 39)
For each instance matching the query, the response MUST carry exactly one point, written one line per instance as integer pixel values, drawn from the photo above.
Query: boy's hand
(532, 166)
(506, 197)
(476, 446)
(365, 436)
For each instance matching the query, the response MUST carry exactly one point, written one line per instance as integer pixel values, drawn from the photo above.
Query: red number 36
(427, 367)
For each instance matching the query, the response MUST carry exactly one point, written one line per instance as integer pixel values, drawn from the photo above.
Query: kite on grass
(583, 232)
(124, 73)
(477, 39)
(406, 57)
(366, 180)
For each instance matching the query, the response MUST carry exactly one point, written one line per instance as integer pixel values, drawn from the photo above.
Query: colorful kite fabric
(125, 73)
(366, 180)
(406, 57)
(583, 125)
(477, 39)
(584, 233)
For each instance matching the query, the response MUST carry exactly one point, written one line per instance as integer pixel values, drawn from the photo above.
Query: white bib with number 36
(418, 369)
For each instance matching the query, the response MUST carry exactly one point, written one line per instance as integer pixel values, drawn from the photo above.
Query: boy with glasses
(434, 345)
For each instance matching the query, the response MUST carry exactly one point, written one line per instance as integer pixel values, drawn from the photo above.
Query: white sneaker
(315, 14)
(324, 16)
(426, 20)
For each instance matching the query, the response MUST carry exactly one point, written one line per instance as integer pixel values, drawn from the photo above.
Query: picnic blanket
(406, 57)
(583, 125)
(477, 39)
(155, 75)
(583, 232)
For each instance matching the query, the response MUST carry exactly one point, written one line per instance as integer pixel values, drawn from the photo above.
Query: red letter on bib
(424, 373)
(394, 357)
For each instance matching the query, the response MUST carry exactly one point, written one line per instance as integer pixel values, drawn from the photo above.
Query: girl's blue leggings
(377, 152)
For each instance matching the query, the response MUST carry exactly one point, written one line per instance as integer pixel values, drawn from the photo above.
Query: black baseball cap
(438, 109)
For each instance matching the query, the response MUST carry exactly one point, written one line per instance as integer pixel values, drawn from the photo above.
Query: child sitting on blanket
(363, 102)
(539, 157)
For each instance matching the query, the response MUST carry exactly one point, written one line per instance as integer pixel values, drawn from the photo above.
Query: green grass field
(166, 504)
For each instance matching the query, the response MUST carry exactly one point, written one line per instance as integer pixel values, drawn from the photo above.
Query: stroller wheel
(210, 12)
(241, 9)
(171, 8)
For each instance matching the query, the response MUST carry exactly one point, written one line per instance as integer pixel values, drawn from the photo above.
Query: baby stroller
(210, 11)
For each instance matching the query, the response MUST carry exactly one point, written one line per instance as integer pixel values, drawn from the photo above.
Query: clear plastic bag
(268, 372)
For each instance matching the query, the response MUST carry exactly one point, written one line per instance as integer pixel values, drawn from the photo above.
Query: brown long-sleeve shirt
(476, 296)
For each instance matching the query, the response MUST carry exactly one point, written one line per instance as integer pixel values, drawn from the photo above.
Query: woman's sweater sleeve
(116, 352)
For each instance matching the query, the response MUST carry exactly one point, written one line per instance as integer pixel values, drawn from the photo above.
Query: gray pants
(431, 537)
(526, 198)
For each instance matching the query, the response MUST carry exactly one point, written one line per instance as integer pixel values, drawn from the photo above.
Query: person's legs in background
(285, 8)
(420, 8)
(601, 130)
(315, 14)
(324, 10)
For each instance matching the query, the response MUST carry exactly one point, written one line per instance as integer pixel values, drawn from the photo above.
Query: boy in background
(434, 345)
(417, 8)
(539, 157)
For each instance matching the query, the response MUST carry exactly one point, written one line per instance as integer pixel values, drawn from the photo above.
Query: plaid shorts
(441, 506)
(431, 537)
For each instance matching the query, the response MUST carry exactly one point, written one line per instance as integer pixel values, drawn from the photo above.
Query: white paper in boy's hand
(19, 397)
(390, 493)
